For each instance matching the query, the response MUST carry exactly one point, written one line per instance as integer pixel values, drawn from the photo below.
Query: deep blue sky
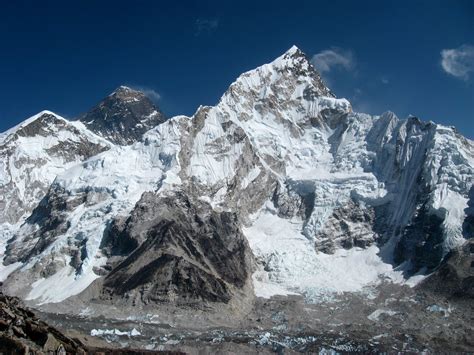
(65, 56)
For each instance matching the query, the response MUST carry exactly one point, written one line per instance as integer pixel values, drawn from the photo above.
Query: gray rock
(454, 279)
(123, 116)
(186, 253)
(349, 226)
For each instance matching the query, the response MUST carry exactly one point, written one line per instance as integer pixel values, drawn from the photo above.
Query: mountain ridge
(309, 181)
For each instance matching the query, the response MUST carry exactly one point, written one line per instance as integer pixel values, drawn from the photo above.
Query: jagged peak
(293, 49)
(123, 116)
(124, 88)
(389, 115)
(47, 112)
(123, 96)
(28, 121)
(39, 115)
(293, 57)
(45, 116)
(293, 65)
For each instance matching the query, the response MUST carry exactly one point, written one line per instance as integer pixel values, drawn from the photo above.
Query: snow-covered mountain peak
(44, 124)
(33, 153)
(288, 81)
(41, 118)
(293, 49)
(40, 114)
(291, 57)
(123, 89)
(126, 93)
(298, 64)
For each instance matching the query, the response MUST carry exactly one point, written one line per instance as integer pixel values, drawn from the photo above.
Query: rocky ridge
(22, 332)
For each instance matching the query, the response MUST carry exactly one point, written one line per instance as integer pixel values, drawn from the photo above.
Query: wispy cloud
(206, 25)
(458, 62)
(328, 59)
(152, 94)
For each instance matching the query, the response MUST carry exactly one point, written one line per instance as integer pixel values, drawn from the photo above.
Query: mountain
(279, 189)
(123, 116)
(32, 155)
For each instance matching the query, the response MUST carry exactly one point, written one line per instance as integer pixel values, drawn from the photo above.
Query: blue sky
(410, 57)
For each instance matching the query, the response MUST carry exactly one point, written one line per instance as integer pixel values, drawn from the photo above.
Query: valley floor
(396, 318)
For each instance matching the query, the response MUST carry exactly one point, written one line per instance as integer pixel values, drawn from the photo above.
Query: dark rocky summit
(123, 116)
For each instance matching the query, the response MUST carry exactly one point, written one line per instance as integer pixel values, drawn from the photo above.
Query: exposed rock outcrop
(184, 253)
(454, 279)
(21, 332)
(349, 226)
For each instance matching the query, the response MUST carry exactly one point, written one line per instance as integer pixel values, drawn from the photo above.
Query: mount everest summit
(279, 189)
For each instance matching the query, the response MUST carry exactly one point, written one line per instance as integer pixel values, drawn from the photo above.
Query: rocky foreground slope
(21, 332)
(279, 189)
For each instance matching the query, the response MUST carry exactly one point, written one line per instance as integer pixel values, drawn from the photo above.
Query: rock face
(326, 199)
(123, 116)
(349, 226)
(47, 221)
(455, 278)
(22, 333)
(182, 251)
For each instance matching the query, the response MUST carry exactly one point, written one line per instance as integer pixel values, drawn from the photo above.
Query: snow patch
(251, 176)
(46, 290)
(103, 332)
(374, 316)
(8, 269)
(439, 309)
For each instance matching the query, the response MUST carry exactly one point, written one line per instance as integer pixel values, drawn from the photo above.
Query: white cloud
(327, 59)
(458, 62)
(152, 94)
